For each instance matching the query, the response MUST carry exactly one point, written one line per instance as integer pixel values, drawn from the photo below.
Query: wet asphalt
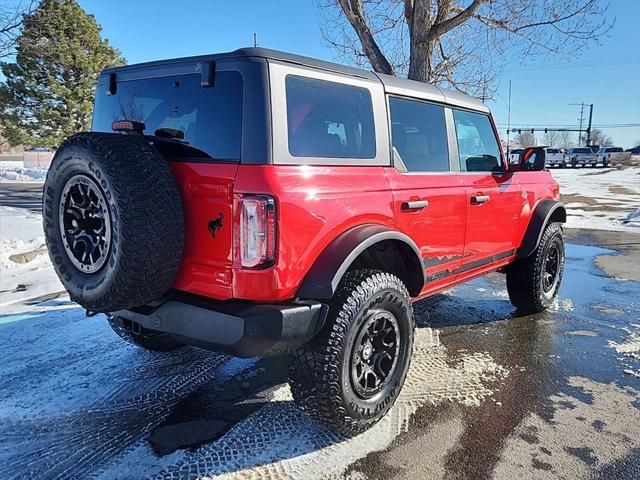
(544, 354)
(490, 394)
(21, 195)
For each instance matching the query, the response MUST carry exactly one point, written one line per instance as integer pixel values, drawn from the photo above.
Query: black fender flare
(546, 211)
(322, 279)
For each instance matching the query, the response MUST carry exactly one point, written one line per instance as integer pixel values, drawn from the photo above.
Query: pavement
(22, 195)
(489, 394)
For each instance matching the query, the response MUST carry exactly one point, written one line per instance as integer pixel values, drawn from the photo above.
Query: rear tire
(155, 341)
(351, 373)
(533, 282)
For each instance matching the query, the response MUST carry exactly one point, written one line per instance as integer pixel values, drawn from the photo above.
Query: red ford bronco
(257, 202)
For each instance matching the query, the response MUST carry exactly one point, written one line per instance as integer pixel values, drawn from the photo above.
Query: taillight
(257, 231)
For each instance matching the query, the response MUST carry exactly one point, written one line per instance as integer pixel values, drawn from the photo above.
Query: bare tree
(525, 139)
(565, 140)
(598, 137)
(457, 43)
(551, 138)
(11, 19)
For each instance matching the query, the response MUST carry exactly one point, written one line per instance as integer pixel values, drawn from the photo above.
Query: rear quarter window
(210, 118)
(328, 119)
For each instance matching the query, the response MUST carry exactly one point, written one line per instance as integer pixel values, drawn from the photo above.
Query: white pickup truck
(612, 156)
(582, 156)
(555, 157)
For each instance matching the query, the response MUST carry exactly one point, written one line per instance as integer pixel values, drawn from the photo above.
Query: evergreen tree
(48, 92)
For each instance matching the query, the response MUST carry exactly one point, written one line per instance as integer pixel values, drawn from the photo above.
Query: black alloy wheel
(375, 354)
(85, 223)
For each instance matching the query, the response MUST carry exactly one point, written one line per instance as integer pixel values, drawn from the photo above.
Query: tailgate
(207, 195)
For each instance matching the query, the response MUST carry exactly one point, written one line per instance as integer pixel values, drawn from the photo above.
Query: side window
(419, 135)
(477, 144)
(328, 119)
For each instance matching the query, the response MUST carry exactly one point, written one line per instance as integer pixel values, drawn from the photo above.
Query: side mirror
(531, 160)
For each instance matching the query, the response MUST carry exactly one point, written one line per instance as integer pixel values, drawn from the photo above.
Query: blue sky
(607, 75)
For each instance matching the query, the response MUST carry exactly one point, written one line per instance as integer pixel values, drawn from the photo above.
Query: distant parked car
(555, 157)
(582, 156)
(634, 151)
(612, 156)
(514, 156)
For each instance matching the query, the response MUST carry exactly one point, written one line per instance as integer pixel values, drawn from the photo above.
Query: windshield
(582, 150)
(209, 118)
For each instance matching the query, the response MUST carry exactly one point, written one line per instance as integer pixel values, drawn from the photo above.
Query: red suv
(257, 202)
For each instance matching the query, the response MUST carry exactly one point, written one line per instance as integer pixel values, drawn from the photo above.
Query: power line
(564, 66)
(615, 125)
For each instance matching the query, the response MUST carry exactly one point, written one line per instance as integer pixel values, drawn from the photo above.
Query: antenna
(255, 39)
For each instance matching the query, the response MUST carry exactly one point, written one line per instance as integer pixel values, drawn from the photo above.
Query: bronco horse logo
(215, 225)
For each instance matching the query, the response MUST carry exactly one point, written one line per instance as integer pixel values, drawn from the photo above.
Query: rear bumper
(242, 329)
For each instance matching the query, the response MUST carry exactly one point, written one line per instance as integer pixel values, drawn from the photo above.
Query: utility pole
(581, 120)
(508, 119)
(589, 127)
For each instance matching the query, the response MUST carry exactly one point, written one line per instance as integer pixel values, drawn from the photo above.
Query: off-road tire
(525, 276)
(147, 224)
(320, 372)
(157, 342)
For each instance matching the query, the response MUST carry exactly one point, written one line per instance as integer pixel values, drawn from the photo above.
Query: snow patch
(20, 232)
(13, 172)
(630, 347)
(566, 305)
(614, 198)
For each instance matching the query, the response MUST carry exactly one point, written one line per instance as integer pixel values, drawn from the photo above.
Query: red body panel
(315, 204)
(207, 194)
(439, 229)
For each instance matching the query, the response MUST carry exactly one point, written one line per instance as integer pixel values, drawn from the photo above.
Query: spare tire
(113, 220)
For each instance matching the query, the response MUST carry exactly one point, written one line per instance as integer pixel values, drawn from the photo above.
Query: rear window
(582, 150)
(210, 118)
(328, 119)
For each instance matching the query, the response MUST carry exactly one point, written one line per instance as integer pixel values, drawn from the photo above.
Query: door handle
(479, 199)
(415, 205)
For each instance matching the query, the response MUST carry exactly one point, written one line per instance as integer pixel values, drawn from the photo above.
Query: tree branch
(354, 11)
(444, 26)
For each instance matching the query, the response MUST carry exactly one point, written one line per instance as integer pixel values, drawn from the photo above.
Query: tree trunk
(420, 60)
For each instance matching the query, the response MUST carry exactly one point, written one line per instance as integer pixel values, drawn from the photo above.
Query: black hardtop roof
(391, 83)
(257, 52)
